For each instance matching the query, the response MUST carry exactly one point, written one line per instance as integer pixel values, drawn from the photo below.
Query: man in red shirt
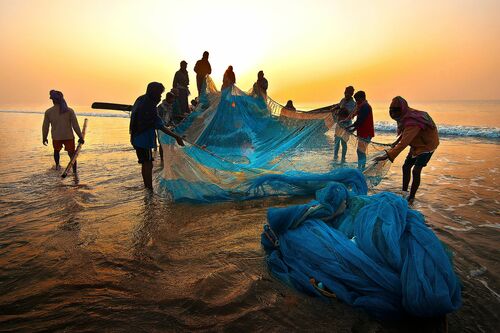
(363, 126)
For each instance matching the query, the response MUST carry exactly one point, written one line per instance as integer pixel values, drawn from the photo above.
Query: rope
(272, 101)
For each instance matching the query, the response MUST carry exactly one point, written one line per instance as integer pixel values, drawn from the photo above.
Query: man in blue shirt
(144, 120)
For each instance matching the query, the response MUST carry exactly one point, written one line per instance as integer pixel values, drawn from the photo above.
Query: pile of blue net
(234, 137)
(371, 252)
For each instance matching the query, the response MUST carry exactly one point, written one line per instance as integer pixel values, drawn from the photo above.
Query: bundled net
(371, 252)
(236, 140)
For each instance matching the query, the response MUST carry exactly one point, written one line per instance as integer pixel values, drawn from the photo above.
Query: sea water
(97, 252)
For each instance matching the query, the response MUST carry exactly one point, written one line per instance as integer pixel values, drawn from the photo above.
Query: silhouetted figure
(260, 87)
(181, 83)
(63, 121)
(342, 113)
(165, 111)
(289, 105)
(194, 104)
(229, 78)
(144, 119)
(177, 114)
(417, 130)
(202, 69)
(363, 126)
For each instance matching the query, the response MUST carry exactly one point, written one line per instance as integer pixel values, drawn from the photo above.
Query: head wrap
(411, 117)
(58, 99)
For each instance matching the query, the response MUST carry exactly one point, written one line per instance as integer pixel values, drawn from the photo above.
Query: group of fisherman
(414, 128)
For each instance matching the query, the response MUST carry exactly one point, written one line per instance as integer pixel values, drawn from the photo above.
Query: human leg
(57, 156)
(145, 158)
(420, 162)
(361, 152)
(344, 149)
(57, 145)
(147, 174)
(407, 166)
(417, 170)
(336, 147)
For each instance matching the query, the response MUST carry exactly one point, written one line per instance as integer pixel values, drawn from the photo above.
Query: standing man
(417, 130)
(202, 69)
(63, 121)
(342, 113)
(260, 86)
(181, 82)
(363, 126)
(144, 119)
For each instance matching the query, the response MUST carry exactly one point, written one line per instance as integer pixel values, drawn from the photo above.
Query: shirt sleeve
(45, 127)
(409, 133)
(75, 125)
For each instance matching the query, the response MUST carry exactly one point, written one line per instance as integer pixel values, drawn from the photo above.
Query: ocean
(99, 253)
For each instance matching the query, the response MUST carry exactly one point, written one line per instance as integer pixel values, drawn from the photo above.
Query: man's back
(62, 124)
(202, 67)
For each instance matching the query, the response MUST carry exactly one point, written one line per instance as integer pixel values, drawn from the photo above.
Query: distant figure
(144, 119)
(202, 69)
(63, 121)
(194, 104)
(177, 114)
(342, 113)
(289, 105)
(166, 108)
(260, 87)
(363, 125)
(417, 130)
(229, 78)
(165, 111)
(181, 83)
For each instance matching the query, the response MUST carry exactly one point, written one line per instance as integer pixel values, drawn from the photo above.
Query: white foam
(449, 130)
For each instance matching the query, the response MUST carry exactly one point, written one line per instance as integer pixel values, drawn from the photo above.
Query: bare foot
(57, 167)
(410, 201)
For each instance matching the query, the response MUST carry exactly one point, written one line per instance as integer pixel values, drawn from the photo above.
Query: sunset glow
(309, 50)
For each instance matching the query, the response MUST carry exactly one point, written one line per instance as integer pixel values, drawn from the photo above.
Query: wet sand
(99, 253)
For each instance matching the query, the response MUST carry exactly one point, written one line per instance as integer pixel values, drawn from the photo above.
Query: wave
(381, 126)
(86, 114)
(450, 130)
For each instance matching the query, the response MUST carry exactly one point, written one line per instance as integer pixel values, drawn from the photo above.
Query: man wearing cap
(63, 121)
(181, 83)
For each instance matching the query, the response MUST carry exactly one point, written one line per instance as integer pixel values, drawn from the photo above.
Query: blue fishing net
(371, 252)
(233, 137)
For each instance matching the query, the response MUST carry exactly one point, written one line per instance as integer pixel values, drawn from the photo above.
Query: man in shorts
(417, 130)
(144, 120)
(63, 121)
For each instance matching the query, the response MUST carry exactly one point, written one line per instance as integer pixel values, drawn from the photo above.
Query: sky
(309, 50)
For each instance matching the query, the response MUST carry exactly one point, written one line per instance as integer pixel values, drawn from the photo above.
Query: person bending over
(417, 130)
(144, 119)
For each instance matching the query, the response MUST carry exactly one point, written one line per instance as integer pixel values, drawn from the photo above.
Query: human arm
(176, 136)
(396, 142)
(361, 115)
(160, 125)
(45, 129)
(409, 133)
(76, 126)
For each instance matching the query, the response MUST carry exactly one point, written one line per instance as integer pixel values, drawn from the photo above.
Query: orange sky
(310, 50)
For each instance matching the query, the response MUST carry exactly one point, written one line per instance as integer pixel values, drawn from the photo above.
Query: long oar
(111, 106)
(77, 151)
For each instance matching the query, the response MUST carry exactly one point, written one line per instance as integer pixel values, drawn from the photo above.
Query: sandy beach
(99, 253)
